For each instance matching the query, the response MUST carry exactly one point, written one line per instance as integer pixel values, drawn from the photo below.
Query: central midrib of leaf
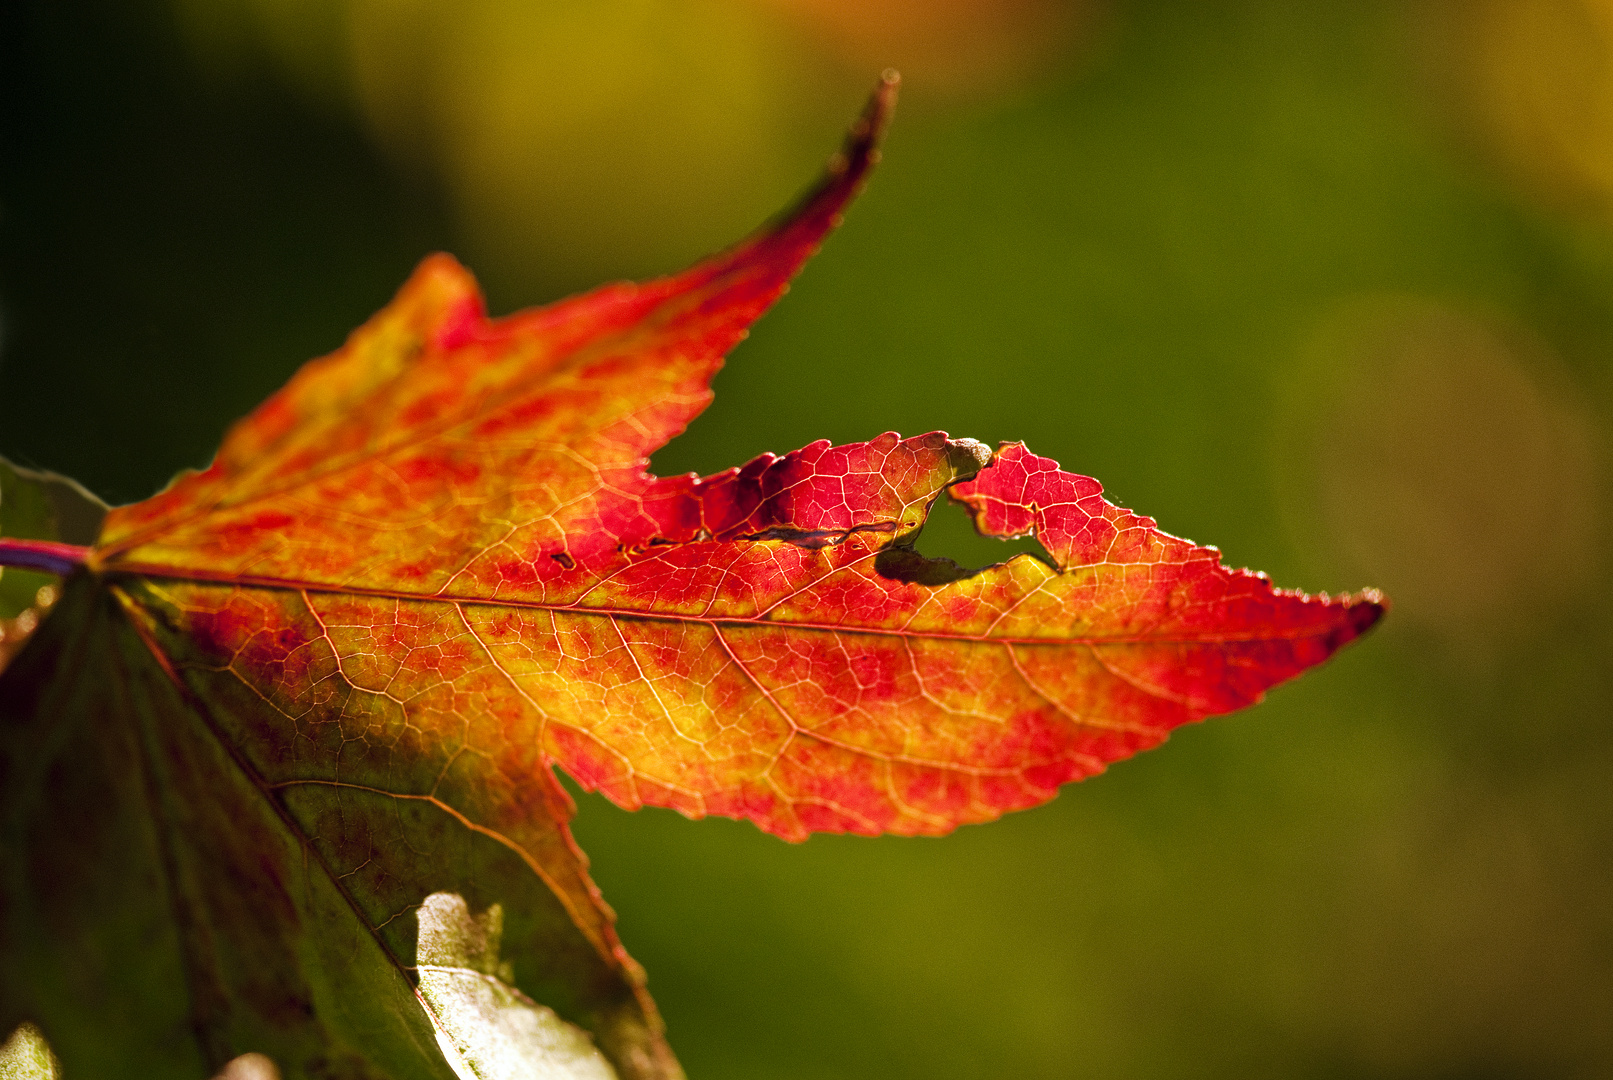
(134, 570)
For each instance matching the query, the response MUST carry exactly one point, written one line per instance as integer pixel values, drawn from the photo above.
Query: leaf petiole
(46, 555)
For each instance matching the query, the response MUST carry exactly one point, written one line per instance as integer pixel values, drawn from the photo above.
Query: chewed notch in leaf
(331, 674)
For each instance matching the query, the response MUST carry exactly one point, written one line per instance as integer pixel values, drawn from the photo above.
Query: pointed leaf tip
(820, 210)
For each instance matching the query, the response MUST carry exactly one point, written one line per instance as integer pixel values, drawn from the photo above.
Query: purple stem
(46, 555)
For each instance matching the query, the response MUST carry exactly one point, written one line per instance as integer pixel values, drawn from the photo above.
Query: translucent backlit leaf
(297, 718)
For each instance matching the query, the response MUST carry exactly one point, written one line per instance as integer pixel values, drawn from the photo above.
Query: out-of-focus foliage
(624, 132)
(1534, 81)
(1329, 282)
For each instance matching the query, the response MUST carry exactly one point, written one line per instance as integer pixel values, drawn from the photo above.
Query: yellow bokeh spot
(1538, 79)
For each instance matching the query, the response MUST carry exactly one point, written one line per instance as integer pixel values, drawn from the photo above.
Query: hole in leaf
(948, 548)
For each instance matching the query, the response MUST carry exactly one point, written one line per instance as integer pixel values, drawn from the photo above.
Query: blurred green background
(1329, 284)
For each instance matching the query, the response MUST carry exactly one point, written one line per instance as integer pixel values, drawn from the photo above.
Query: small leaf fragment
(25, 1055)
(37, 505)
(487, 1028)
(249, 1067)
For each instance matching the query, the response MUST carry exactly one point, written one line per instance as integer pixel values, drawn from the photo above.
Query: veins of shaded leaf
(162, 839)
(356, 869)
(339, 671)
(233, 754)
(578, 917)
(384, 923)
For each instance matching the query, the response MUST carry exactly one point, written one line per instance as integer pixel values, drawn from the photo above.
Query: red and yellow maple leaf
(329, 676)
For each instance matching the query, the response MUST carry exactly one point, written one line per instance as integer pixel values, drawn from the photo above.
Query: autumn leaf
(303, 707)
